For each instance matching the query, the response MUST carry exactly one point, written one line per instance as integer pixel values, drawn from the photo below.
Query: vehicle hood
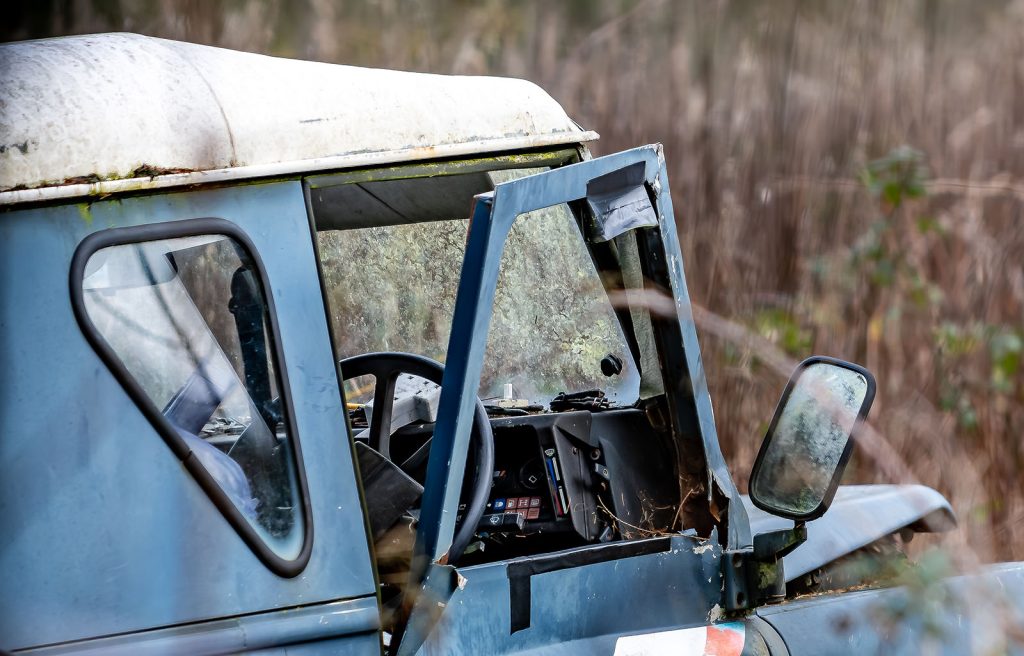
(859, 515)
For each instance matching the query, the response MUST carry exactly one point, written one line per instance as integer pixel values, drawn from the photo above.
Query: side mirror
(808, 443)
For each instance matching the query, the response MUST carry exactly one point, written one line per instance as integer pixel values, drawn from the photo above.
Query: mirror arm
(772, 546)
(757, 577)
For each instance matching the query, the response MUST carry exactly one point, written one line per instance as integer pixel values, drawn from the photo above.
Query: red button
(533, 513)
(535, 502)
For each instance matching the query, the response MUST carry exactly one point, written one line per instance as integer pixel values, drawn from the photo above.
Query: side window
(188, 322)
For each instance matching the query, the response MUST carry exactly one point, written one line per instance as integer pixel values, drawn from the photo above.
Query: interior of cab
(188, 320)
(579, 455)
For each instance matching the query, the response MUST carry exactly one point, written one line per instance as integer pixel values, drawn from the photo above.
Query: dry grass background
(771, 114)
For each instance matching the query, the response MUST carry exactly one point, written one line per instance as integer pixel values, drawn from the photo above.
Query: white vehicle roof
(106, 113)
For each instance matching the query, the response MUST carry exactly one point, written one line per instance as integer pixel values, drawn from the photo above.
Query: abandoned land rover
(303, 358)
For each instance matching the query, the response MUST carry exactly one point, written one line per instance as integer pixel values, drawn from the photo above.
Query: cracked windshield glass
(393, 288)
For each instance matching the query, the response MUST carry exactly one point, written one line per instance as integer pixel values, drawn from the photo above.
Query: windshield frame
(674, 338)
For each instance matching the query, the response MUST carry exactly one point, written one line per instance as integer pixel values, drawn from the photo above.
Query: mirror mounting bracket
(766, 576)
(757, 577)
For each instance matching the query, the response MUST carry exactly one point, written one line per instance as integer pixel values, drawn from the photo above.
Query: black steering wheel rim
(385, 367)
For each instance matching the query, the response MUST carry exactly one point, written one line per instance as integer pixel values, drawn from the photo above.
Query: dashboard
(566, 478)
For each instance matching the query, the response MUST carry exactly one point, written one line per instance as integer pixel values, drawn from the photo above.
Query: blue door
(178, 473)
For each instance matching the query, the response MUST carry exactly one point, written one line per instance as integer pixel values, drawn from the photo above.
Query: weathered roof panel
(91, 114)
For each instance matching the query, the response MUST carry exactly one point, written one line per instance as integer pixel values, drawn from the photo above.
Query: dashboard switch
(502, 523)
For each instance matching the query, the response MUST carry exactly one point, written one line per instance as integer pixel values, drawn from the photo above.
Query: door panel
(103, 529)
(676, 586)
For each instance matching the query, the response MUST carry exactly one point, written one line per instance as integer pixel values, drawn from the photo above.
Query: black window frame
(199, 227)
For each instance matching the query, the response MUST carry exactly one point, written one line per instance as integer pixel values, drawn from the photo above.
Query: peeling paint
(715, 614)
(23, 146)
(703, 548)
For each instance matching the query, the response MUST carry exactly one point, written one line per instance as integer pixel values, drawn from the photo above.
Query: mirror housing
(809, 440)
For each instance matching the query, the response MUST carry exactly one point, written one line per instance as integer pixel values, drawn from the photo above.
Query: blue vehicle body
(114, 541)
(109, 525)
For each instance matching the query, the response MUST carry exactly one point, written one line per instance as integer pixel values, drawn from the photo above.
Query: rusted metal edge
(277, 169)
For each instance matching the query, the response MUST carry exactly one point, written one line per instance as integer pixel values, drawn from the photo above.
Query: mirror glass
(803, 450)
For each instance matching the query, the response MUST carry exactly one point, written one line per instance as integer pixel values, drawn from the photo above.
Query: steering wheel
(385, 367)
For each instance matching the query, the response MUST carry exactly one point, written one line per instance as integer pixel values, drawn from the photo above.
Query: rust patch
(144, 171)
(147, 171)
(92, 178)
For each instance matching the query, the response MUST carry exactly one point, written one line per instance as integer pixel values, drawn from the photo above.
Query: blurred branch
(873, 443)
(993, 187)
(609, 28)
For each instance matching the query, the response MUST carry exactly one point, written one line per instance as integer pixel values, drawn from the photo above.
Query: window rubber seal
(196, 228)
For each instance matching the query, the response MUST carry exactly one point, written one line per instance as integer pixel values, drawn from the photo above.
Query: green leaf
(898, 176)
